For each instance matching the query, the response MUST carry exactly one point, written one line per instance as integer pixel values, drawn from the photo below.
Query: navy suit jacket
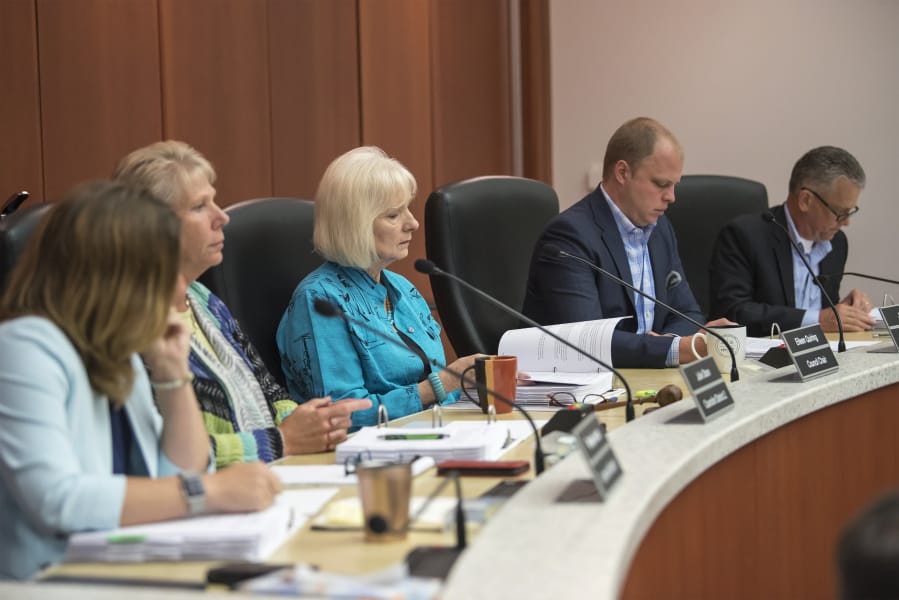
(562, 290)
(751, 274)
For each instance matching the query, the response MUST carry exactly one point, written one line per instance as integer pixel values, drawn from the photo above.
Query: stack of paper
(252, 536)
(463, 440)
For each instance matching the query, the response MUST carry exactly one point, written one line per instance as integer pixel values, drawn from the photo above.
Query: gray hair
(823, 165)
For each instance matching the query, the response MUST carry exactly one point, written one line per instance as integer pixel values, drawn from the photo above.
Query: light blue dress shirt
(636, 246)
(56, 446)
(807, 294)
(327, 356)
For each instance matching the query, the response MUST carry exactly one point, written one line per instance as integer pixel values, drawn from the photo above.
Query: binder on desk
(465, 440)
(250, 536)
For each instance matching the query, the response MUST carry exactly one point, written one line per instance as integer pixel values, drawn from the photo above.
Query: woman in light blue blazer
(83, 443)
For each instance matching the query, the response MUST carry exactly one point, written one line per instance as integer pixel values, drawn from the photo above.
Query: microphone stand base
(432, 561)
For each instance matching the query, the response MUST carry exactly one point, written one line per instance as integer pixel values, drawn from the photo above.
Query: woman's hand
(241, 488)
(166, 357)
(318, 425)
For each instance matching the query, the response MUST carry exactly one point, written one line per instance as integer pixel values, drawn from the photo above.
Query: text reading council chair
(484, 231)
(268, 250)
(15, 231)
(704, 204)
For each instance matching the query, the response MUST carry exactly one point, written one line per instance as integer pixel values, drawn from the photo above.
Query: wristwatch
(193, 491)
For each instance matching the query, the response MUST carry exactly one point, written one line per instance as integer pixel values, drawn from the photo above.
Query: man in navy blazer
(756, 276)
(621, 227)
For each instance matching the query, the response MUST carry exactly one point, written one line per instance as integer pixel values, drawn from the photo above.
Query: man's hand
(318, 425)
(854, 319)
(858, 299)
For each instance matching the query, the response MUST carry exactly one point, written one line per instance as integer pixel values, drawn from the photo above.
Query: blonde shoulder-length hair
(102, 266)
(357, 187)
(165, 168)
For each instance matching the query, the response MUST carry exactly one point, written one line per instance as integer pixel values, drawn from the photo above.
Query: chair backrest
(15, 231)
(705, 203)
(484, 231)
(268, 250)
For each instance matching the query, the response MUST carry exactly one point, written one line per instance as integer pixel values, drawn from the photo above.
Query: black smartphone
(231, 574)
(487, 468)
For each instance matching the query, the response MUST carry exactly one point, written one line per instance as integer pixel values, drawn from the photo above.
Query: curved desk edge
(535, 545)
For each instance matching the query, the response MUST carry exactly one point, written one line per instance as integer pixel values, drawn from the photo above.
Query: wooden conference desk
(345, 551)
(701, 511)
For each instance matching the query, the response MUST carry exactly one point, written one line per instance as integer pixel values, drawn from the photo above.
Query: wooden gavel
(668, 394)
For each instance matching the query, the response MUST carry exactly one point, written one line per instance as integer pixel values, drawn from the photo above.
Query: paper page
(537, 351)
(332, 474)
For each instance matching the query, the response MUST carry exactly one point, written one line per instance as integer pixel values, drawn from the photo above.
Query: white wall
(747, 87)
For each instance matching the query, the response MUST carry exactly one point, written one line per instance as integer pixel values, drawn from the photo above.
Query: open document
(554, 367)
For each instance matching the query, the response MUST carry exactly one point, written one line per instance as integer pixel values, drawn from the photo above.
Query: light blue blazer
(56, 446)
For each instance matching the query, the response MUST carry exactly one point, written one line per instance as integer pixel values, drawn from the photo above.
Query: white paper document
(332, 474)
(462, 440)
(247, 536)
(537, 351)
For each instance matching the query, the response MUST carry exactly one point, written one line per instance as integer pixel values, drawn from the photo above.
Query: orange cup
(499, 374)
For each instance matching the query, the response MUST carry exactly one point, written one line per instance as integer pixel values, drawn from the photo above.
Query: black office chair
(484, 230)
(15, 231)
(704, 204)
(268, 250)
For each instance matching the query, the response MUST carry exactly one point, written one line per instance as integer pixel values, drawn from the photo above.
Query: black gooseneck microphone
(327, 309)
(429, 268)
(554, 251)
(768, 217)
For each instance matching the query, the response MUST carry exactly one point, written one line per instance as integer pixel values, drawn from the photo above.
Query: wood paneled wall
(269, 90)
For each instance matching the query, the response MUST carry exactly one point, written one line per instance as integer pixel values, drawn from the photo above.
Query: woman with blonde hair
(362, 225)
(248, 415)
(83, 443)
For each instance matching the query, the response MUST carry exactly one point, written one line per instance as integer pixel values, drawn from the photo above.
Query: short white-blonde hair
(357, 187)
(165, 168)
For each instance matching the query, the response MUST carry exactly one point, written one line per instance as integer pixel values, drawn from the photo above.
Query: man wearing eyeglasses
(756, 276)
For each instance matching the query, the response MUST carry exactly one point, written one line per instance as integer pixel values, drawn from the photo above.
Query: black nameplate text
(707, 387)
(603, 464)
(810, 351)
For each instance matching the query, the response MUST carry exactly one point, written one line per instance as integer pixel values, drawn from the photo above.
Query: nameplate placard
(707, 387)
(890, 316)
(810, 351)
(603, 464)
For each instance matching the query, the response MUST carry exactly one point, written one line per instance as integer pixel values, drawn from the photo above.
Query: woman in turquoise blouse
(362, 225)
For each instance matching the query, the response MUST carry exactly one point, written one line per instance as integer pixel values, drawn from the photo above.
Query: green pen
(414, 436)
(126, 538)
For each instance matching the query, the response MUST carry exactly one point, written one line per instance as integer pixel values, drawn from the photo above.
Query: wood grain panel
(216, 89)
(395, 83)
(314, 66)
(763, 522)
(536, 82)
(99, 86)
(471, 89)
(20, 153)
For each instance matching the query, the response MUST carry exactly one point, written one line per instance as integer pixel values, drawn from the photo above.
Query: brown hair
(102, 265)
